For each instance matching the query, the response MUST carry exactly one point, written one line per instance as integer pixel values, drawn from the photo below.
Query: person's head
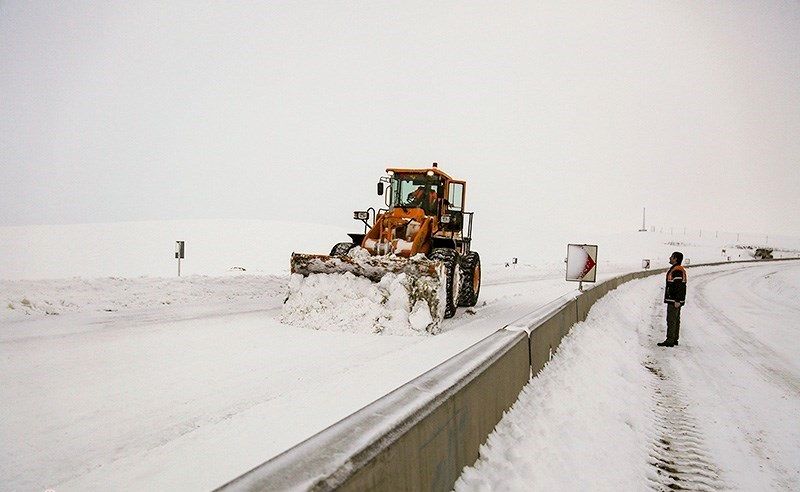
(676, 258)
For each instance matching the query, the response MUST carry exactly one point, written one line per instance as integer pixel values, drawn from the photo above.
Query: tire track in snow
(678, 456)
(767, 365)
(742, 343)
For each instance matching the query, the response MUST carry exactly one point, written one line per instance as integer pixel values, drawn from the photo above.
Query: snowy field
(116, 374)
(613, 411)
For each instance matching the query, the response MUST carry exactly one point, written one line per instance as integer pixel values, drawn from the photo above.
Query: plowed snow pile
(344, 302)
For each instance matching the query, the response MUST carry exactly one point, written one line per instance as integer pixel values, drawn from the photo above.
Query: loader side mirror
(380, 188)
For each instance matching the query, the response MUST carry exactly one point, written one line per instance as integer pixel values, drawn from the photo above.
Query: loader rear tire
(341, 249)
(470, 279)
(452, 271)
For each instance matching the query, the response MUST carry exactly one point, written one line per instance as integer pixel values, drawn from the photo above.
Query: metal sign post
(179, 252)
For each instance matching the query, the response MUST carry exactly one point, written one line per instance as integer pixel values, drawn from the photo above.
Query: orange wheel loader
(424, 232)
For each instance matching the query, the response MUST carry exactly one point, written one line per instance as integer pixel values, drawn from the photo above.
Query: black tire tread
(450, 259)
(468, 296)
(341, 249)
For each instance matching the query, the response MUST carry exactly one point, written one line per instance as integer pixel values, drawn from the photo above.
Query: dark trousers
(673, 322)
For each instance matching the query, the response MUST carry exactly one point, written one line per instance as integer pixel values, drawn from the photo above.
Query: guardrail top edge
(319, 457)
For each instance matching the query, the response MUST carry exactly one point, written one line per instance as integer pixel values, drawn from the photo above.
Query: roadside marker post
(179, 252)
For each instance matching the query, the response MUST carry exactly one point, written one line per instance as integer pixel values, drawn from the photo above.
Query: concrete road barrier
(544, 340)
(419, 437)
(431, 454)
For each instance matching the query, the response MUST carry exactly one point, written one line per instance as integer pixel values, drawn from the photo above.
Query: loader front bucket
(371, 267)
(424, 278)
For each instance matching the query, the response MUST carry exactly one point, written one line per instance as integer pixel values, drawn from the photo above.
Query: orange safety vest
(675, 289)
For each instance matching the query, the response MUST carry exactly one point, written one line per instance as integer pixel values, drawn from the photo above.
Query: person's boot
(666, 343)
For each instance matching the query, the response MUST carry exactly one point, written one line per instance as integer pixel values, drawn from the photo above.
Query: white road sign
(582, 262)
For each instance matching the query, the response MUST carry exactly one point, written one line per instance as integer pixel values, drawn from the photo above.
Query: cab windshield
(416, 190)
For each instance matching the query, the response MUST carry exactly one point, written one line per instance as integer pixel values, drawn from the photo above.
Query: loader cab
(432, 190)
(416, 190)
(438, 195)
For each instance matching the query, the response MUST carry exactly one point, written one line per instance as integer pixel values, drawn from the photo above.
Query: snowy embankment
(97, 268)
(612, 411)
(25, 298)
(215, 247)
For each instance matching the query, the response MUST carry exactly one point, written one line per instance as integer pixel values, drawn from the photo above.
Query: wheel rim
(476, 280)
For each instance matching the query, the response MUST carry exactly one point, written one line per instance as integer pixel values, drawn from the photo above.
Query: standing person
(674, 297)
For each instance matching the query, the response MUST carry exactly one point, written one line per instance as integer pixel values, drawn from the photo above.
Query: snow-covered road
(191, 393)
(745, 373)
(613, 411)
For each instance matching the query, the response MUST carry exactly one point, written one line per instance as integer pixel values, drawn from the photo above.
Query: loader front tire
(341, 249)
(470, 279)
(452, 271)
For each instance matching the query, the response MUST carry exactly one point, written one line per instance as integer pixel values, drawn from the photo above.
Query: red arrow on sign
(590, 263)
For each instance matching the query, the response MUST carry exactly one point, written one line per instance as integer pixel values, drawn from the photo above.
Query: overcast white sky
(556, 114)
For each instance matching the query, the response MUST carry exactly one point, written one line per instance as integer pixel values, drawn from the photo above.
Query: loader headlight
(360, 215)
(446, 219)
(429, 173)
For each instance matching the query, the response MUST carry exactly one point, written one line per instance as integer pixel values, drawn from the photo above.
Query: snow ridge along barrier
(420, 436)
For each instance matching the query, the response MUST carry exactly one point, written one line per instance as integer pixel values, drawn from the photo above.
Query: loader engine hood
(401, 232)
